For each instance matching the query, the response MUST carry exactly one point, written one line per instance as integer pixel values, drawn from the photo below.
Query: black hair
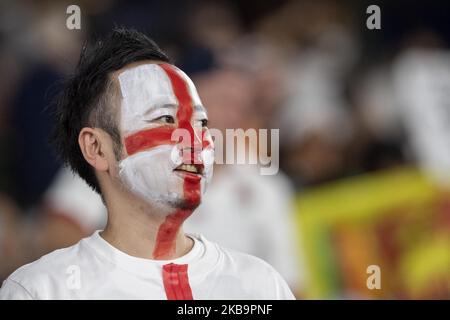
(87, 98)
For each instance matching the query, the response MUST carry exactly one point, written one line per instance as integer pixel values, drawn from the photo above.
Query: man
(133, 127)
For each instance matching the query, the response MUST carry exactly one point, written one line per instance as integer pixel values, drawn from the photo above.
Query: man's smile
(191, 172)
(194, 168)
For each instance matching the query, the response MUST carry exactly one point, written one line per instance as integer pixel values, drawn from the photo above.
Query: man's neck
(134, 229)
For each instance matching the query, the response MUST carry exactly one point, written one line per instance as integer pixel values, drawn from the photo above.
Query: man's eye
(166, 119)
(204, 122)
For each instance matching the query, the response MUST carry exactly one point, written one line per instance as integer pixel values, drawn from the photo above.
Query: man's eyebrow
(169, 106)
(197, 107)
(164, 106)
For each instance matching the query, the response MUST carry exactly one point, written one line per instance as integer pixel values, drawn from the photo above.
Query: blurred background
(364, 119)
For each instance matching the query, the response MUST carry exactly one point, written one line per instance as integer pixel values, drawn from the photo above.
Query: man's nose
(191, 148)
(194, 135)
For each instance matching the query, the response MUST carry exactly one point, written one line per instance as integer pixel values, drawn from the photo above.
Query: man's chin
(169, 202)
(184, 204)
(174, 201)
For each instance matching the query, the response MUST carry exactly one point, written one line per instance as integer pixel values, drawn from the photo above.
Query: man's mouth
(190, 168)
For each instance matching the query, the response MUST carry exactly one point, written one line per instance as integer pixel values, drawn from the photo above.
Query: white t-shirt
(94, 269)
(258, 210)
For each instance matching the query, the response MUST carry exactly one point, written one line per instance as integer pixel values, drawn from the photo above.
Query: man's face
(169, 152)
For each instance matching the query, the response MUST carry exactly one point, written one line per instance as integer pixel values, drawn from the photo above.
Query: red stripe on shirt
(176, 282)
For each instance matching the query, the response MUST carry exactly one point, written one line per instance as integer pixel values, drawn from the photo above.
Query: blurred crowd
(340, 94)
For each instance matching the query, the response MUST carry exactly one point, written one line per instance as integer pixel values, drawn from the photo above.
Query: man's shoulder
(233, 260)
(249, 264)
(49, 267)
(252, 273)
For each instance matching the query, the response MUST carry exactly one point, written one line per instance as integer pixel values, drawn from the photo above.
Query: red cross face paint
(170, 152)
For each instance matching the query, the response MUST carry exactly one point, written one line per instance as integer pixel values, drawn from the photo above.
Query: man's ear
(93, 146)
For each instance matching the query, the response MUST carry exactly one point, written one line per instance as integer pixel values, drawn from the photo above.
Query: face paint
(151, 92)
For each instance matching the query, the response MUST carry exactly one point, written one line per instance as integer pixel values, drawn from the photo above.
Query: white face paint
(149, 102)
